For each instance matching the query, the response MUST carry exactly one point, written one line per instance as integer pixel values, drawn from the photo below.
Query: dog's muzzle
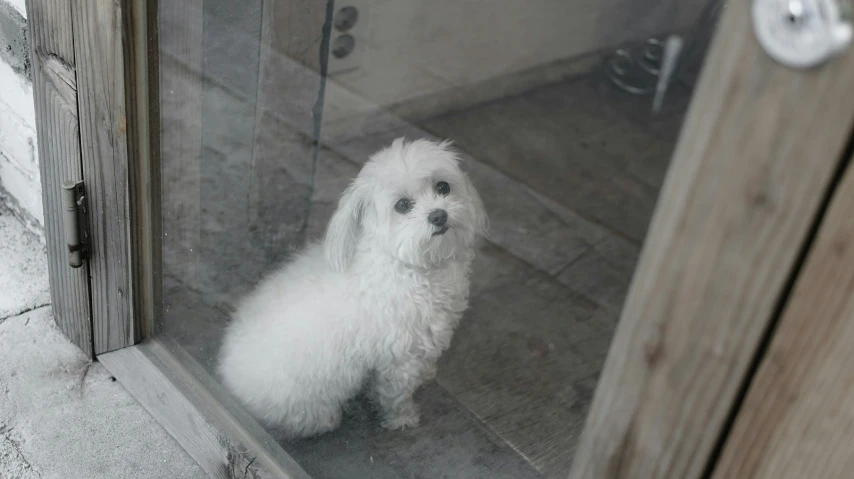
(439, 219)
(441, 231)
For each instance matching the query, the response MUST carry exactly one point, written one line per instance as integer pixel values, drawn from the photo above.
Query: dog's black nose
(438, 217)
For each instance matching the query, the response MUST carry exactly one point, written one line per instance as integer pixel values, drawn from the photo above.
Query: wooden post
(55, 89)
(753, 164)
(797, 419)
(99, 49)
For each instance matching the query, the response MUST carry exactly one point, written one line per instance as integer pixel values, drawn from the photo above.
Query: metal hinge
(76, 222)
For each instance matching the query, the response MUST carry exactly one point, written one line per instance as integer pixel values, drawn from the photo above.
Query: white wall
(19, 166)
(19, 5)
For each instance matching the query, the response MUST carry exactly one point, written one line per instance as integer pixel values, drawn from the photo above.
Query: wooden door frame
(84, 90)
(55, 91)
(799, 392)
(96, 66)
(759, 155)
(95, 85)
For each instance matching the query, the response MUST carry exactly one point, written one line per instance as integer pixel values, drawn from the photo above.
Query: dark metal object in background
(343, 46)
(636, 70)
(346, 18)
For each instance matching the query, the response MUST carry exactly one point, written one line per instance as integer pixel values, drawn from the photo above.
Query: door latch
(76, 222)
(802, 33)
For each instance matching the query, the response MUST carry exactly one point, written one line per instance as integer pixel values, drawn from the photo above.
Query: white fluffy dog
(376, 302)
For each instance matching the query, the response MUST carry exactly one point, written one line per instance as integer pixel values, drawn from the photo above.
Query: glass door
(562, 117)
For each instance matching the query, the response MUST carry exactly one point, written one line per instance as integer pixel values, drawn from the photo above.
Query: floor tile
(604, 273)
(515, 364)
(449, 443)
(568, 155)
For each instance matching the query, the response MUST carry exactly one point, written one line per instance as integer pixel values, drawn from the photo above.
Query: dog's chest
(421, 297)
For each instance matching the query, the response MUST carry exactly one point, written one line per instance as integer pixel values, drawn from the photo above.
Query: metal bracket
(802, 33)
(76, 222)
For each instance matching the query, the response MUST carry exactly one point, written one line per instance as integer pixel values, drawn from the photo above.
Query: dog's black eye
(403, 205)
(443, 188)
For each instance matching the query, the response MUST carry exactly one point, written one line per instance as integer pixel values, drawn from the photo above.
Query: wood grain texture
(99, 44)
(750, 170)
(146, 227)
(170, 408)
(191, 408)
(798, 417)
(55, 89)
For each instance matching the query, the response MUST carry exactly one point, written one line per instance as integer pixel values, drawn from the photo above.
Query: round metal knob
(800, 33)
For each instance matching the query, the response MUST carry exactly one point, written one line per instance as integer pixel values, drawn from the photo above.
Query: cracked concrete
(62, 416)
(13, 465)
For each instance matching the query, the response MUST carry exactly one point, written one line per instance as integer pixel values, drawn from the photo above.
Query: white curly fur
(377, 302)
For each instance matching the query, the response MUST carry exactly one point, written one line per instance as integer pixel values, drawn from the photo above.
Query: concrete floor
(61, 415)
(569, 174)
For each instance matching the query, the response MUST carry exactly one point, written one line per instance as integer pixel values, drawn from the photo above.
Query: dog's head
(413, 202)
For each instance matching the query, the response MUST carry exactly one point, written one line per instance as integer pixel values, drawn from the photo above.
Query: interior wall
(416, 48)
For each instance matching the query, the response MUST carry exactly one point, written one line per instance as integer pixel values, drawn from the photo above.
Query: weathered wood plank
(752, 165)
(798, 417)
(169, 407)
(55, 89)
(99, 44)
(146, 229)
(203, 419)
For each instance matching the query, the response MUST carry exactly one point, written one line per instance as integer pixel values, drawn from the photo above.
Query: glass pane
(563, 115)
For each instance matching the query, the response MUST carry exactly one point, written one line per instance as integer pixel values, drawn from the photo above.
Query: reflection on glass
(269, 110)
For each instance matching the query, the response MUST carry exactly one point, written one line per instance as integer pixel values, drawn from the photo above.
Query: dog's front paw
(408, 417)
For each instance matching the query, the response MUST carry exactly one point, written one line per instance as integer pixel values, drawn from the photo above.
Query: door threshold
(198, 413)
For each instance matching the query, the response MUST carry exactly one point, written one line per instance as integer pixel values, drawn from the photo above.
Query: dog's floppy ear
(343, 230)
